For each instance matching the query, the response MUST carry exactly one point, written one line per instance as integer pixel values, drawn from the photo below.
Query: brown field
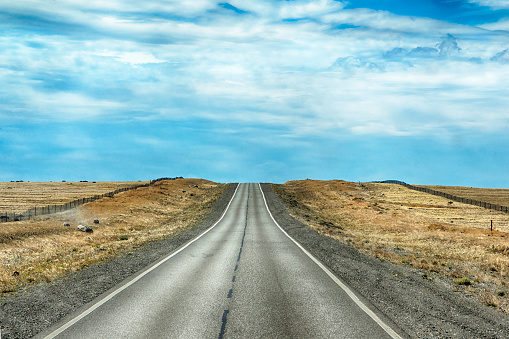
(442, 239)
(491, 195)
(44, 249)
(17, 197)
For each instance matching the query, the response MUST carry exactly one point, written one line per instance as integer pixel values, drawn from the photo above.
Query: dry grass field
(18, 197)
(445, 240)
(491, 195)
(44, 249)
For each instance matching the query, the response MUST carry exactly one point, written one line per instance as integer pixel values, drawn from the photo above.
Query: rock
(15, 273)
(96, 221)
(84, 228)
(67, 224)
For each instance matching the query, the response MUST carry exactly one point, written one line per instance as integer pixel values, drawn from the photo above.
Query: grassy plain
(491, 195)
(43, 249)
(445, 240)
(17, 197)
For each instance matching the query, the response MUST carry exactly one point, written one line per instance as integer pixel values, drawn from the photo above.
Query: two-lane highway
(243, 278)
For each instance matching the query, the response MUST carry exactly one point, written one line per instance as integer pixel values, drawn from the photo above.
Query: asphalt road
(243, 278)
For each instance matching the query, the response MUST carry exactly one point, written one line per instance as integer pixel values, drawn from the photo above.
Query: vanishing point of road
(243, 278)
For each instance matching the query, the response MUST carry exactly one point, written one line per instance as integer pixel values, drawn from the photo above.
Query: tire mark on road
(230, 292)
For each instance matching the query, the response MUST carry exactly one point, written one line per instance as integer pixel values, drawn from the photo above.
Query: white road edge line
(345, 288)
(120, 289)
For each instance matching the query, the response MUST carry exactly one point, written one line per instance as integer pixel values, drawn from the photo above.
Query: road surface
(243, 278)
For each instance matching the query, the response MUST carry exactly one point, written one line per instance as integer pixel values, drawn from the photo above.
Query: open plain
(17, 197)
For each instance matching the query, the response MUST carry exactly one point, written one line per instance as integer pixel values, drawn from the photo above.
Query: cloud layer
(299, 69)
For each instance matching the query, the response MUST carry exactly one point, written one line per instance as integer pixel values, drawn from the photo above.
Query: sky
(255, 91)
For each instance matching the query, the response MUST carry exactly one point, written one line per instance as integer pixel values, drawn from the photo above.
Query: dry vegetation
(44, 249)
(17, 197)
(491, 195)
(444, 239)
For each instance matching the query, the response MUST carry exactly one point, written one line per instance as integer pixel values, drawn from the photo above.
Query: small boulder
(84, 228)
(96, 221)
(67, 224)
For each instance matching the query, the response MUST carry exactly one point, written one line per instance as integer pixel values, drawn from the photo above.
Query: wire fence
(483, 204)
(49, 209)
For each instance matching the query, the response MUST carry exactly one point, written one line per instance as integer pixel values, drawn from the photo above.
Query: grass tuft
(463, 281)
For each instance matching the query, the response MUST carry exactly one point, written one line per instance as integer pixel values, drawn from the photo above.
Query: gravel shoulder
(420, 307)
(37, 307)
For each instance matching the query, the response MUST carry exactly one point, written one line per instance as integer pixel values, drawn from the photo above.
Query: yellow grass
(44, 249)
(17, 197)
(442, 238)
(491, 195)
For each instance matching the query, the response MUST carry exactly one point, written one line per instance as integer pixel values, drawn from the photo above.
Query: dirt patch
(43, 249)
(440, 238)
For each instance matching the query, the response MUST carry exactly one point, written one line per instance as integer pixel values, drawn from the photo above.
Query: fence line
(449, 196)
(49, 209)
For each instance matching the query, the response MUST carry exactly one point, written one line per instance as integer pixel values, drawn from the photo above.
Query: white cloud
(350, 63)
(174, 7)
(501, 25)
(386, 21)
(395, 75)
(67, 106)
(134, 58)
(311, 9)
(495, 4)
(448, 46)
(502, 57)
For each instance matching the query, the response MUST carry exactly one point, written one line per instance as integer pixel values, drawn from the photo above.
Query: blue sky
(255, 90)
